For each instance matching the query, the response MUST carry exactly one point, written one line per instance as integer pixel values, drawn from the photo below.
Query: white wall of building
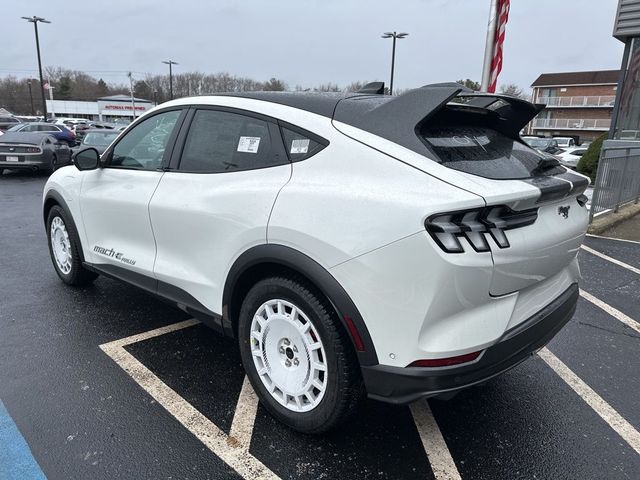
(102, 110)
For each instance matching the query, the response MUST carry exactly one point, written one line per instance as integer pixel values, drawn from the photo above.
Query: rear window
(471, 141)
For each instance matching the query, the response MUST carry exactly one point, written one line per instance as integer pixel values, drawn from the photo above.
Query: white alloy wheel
(60, 245)
(289, 356)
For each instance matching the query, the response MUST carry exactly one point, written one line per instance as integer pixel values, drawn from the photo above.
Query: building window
(628, 122)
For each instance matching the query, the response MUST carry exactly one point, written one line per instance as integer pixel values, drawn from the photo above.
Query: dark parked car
(32, 151)
(8, 122)
(99, 139)
(60, 132)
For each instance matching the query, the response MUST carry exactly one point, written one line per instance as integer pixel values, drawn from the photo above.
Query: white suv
(400, 247)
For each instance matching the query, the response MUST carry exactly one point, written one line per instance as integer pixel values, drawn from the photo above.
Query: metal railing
(572, 123)
(617, 180)
(579, 101)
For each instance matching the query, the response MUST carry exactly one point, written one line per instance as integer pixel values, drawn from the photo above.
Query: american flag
(496, 61)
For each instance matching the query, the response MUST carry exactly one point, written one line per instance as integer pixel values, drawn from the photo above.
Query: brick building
(579, 104)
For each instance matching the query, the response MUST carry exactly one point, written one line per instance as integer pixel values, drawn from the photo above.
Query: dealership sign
(122, 107)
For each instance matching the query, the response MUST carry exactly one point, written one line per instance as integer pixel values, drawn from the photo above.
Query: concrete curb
(608, 220)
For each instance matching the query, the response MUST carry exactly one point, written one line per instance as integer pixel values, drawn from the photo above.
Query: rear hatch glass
(471, 140)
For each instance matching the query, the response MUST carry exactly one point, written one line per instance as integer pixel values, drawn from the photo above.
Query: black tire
(344, 391)
(77, 274)
(54, 164)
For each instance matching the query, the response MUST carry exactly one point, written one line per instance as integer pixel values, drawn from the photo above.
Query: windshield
(15, 128)
(99, 139)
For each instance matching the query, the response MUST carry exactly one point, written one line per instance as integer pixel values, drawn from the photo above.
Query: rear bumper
(405, 385)
(34, 162)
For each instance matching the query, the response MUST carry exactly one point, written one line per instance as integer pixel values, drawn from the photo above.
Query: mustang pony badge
(564, 211)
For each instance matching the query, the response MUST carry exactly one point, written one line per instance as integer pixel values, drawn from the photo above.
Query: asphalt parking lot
(107, 382)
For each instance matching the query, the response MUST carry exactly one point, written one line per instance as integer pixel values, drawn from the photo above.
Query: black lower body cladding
(405, 385)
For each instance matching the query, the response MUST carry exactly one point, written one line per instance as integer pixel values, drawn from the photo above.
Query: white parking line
(617, 314)
(442, 464)
(611, 238)
(233, 451)
(245, 416)
(611, 259)
(595, 401)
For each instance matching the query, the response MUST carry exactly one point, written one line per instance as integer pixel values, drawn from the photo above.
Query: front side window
(144, 145)
(220, 141)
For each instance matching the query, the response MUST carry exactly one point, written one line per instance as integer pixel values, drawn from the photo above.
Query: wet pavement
(85, 414)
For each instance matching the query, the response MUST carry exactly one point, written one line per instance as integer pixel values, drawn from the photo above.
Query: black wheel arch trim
(55, 196)
(315, 273)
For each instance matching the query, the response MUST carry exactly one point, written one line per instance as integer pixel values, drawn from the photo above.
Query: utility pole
(170, 63)
(35, 21)
(31, 98)
(395, 36)
(133, 102)
(50, 88)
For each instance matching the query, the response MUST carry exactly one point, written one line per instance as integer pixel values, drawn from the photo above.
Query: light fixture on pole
(35, 21)
(395, 36)
(170, 63)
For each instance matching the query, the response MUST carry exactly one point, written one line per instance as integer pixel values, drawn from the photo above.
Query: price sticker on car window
(248, 144)
(300, 145)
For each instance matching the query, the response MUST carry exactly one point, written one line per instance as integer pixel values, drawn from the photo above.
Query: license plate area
(12, 159)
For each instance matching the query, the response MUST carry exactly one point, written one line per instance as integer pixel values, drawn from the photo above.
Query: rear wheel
(54, 164)
(297, 356)
(64, 249)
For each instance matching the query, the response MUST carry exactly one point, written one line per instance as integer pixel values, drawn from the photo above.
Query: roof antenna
(376, 88)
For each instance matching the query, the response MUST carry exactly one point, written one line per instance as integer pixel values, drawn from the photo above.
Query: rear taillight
(33, 150)
(474, 225)
(447, 361)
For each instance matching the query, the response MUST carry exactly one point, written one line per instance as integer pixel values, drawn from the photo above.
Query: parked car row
(35, 151)
(60, 132)
(563, 149)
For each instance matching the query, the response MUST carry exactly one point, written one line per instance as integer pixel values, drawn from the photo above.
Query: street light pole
(395, 36)
(35, 21)
(170, 63)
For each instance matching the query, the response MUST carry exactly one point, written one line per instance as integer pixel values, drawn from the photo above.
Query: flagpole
(489, 46)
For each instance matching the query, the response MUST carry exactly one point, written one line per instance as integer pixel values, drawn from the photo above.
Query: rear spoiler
(399, 118)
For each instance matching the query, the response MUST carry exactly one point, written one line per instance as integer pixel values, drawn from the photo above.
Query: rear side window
(220, 141)
(47, 128)
(472, 143)
(300, 145)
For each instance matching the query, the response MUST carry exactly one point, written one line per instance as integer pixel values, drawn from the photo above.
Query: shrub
(588, 164)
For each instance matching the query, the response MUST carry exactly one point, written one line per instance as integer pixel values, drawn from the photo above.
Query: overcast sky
(308, 42)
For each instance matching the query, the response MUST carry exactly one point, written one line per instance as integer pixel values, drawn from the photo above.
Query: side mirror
(87, 159)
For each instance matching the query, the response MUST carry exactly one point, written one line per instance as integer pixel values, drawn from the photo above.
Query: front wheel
(297, 355)
(64, 249)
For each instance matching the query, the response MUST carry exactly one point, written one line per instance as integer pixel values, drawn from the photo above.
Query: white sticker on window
(248, 144)
(300, 145)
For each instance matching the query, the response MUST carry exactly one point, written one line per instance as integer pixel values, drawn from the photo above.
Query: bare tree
(513, 90)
